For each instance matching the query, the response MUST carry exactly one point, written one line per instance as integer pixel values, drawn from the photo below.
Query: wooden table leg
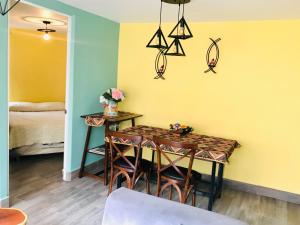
(133, 122)
(85, 151)
(212, 187)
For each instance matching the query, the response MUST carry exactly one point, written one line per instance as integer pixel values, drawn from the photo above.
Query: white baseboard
(4, 203)
(69, 176)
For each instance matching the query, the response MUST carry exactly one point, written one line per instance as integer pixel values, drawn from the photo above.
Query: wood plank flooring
(36, 186)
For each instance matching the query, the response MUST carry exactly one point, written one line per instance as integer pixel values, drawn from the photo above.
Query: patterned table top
(209, 148)
(98, 119)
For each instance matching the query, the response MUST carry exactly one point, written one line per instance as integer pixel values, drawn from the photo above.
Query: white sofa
(127, 207)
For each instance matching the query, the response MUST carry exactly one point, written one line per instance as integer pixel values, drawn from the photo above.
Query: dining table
(212, 149)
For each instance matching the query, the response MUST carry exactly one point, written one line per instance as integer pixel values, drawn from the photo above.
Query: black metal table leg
(106, 165)
(85, 151)
(152, 163)
(220, 180)
(106, 157)
(212, 187)
(119, 181)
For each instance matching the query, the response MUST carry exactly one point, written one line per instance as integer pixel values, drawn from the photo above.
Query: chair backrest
(127, 142)
(189, 152)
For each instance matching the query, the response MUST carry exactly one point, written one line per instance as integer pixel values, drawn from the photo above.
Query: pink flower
(112, 95)
(117, 94)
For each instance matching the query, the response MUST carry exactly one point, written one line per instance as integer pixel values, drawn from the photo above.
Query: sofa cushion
(127, 207)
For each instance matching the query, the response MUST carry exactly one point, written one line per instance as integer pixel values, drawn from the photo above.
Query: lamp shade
(175, 49)
(181, 30)
(158, 40)
(5, 7)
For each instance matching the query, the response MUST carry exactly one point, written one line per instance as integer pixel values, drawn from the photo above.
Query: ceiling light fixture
(46, 31)
(40, 20)
(4, 10)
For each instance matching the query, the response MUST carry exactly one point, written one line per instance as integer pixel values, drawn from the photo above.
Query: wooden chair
(173, 175)
(131, 167)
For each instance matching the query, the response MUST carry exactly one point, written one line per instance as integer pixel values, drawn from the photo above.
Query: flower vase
(111, 109)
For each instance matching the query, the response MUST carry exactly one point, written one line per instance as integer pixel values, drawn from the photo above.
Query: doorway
(39, 56)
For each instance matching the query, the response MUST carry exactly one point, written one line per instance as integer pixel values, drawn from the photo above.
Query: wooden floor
(38, 189)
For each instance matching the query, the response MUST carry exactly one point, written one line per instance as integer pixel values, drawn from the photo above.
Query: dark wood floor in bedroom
(36, 186)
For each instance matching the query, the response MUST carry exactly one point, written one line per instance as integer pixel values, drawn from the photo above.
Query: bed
(36, 128)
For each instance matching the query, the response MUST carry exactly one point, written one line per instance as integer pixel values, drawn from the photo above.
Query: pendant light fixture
(5, 9)
(46, 30)
(176, 48)
(158, 40)
(181, 30)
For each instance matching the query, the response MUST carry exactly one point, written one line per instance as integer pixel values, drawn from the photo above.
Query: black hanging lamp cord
(160, 13)
(179, 51)
(158, 36)
(182, 16)
(178, 18)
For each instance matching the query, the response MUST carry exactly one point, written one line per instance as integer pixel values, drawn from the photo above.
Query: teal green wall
(93, 70)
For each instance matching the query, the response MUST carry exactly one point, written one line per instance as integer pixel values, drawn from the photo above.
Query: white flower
(103, 100)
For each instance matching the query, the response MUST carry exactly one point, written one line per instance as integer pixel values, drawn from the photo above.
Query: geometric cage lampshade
(181, 30)
(158, 40)
(175, 49)
(4, 8)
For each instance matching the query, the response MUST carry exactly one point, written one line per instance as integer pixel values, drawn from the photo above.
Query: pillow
(36, 107)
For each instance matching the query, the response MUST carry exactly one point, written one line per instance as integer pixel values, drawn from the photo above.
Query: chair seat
(145, 164)
(173, 174)
(123, 147)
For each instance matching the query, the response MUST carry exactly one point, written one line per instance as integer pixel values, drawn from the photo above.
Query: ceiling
(16, 17)
(196, 11)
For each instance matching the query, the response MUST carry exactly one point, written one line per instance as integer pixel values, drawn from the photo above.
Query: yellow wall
(37, 67)
(254, 98)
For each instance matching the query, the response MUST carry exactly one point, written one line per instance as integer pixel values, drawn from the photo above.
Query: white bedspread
(28, 128)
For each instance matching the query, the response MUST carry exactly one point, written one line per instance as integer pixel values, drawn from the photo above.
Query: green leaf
(108, 96)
